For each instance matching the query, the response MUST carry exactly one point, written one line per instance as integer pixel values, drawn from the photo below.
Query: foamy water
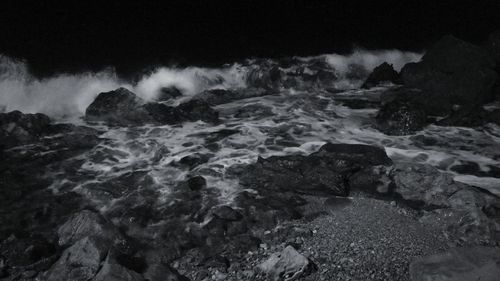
(295, 121)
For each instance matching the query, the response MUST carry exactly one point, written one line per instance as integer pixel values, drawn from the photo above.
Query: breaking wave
(68, 95)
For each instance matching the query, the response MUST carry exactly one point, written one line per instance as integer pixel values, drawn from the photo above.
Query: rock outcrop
(453, 72)
(382, 73)
(122, 107)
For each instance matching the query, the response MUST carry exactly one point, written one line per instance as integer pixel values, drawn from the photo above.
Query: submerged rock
(382, 73)
(458, 264)
(222, 96)
(453, 72)
(288, 265)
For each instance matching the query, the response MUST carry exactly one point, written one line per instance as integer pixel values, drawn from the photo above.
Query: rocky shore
(112, 199)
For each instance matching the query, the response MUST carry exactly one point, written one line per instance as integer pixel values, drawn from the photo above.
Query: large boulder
(382, 73)
(458, 264)
(324, 172)
(79, 262)
(453, 72)
(122, 107)
(17, 128)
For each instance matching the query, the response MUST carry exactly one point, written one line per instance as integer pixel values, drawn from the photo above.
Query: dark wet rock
(194, 110)
(196, 183)
(464, 116)
(254, 111)
(159, 113)
(324, 172)
(458, 264)
(160, 272)
(17, 128)
(79, 262)
(221, 96)
(382, 73)
(86, 223)
(121, 107)
(401, 117)
(453, 72)
(287, 265)
(168, 93)
(227, 213)
(216, 96)
(112, 271)
(265, 76)
(193, 160)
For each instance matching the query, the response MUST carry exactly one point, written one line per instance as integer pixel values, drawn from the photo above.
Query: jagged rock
(453, 72)
(80, 261)
(112, 271)
(382, 73)
(322, 172)
(159, 272)
(122, 107)
(85, 223)
(17, 128)
(458, 264)
(425, 186)
(401, 116)
(168, 93)
(288, 265)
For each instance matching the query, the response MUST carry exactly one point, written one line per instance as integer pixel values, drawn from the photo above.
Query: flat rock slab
(458, 264)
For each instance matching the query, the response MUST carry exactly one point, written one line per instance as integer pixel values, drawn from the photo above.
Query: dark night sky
(80, 35)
